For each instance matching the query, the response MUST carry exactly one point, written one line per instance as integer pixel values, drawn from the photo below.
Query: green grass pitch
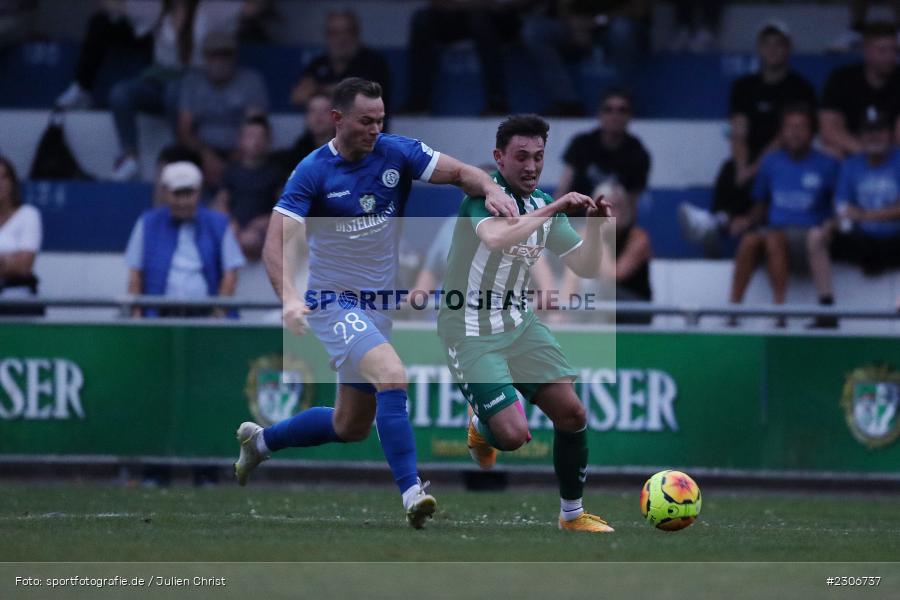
(93, 522)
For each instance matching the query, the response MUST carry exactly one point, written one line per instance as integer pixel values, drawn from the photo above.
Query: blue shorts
(348, 334)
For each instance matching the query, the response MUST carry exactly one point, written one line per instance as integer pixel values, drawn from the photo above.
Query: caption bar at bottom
(119, 581)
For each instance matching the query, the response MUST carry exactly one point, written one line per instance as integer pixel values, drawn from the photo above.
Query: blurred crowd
(809, 179)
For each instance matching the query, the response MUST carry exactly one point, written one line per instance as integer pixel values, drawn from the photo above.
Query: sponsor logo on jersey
(390, 178)
(366, 224)
(340, 194)
(367, 202)
(530, 253)
(870, 402)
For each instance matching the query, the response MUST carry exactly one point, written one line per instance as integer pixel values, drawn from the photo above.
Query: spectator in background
(625, 258)
(181, 28)
(793, 192)
(852, 90)
(489, 24)
(696, 23)
(111, 30)
(867, 201)
(20, 241)
(755, 106)
(849, 40)
(608, 152)
(345, 56)
(566, 31)
(215, 102)
(251, 186)
(171, 154)
(318, 131)
(182, 250)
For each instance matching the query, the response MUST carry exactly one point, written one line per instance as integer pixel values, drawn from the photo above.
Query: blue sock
(396, 435)
(312, 427)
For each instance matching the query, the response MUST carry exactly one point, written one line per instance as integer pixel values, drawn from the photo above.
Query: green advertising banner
(663, 399)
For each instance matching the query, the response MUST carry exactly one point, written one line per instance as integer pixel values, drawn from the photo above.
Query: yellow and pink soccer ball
(670, 500)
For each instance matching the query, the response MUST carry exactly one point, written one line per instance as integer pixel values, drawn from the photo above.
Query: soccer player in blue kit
(345, 198)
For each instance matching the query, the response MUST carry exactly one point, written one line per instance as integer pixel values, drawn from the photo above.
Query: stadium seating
(681, 103)
(682, 86)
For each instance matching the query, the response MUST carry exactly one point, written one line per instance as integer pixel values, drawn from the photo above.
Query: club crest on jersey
(367, 202)
(390, 178)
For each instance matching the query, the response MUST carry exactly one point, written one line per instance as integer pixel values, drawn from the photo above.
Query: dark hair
(525, 125)
(185, 34)
(16, 191)
(879, 29)
(178, 153)
(260, 120)
(617, 92)
(346, 91)
(800, 108)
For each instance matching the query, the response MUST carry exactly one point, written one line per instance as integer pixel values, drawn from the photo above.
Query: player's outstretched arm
(503, 233)
(475, 183)
(284, 239)
(585, 260)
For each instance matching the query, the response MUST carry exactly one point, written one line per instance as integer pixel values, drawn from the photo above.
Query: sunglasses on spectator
(622, 109)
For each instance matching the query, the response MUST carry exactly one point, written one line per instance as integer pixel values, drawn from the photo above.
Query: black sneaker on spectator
(696, 224)
(74, 98)
(126, 169)
(824, 322)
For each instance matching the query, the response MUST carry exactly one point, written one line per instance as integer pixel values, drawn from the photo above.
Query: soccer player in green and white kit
(494, 349)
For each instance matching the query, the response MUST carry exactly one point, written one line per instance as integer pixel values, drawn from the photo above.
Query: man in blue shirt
(182, 250)
(868, 200)
(345, 198)
(792, 194)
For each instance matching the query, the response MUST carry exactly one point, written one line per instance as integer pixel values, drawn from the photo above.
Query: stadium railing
(691, 314)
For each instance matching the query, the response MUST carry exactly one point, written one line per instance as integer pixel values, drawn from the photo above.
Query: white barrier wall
(678, 282)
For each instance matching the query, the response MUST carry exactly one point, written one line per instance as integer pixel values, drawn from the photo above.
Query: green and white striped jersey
(484, 290)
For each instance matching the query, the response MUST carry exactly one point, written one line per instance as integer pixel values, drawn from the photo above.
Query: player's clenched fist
(499, 203)
(294, 315)
(574, 200)
(599, 208)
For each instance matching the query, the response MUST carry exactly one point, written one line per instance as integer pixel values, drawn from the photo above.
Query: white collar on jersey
(332, 148)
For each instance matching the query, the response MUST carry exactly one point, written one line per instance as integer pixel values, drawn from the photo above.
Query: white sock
(570, 510)
(409, 495)
(261, 445)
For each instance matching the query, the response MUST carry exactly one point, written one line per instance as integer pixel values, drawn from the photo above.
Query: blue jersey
(798, 192)
(871, 188)
(351, 209)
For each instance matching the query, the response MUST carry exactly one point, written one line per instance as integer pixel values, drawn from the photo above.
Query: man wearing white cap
(180, 249)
